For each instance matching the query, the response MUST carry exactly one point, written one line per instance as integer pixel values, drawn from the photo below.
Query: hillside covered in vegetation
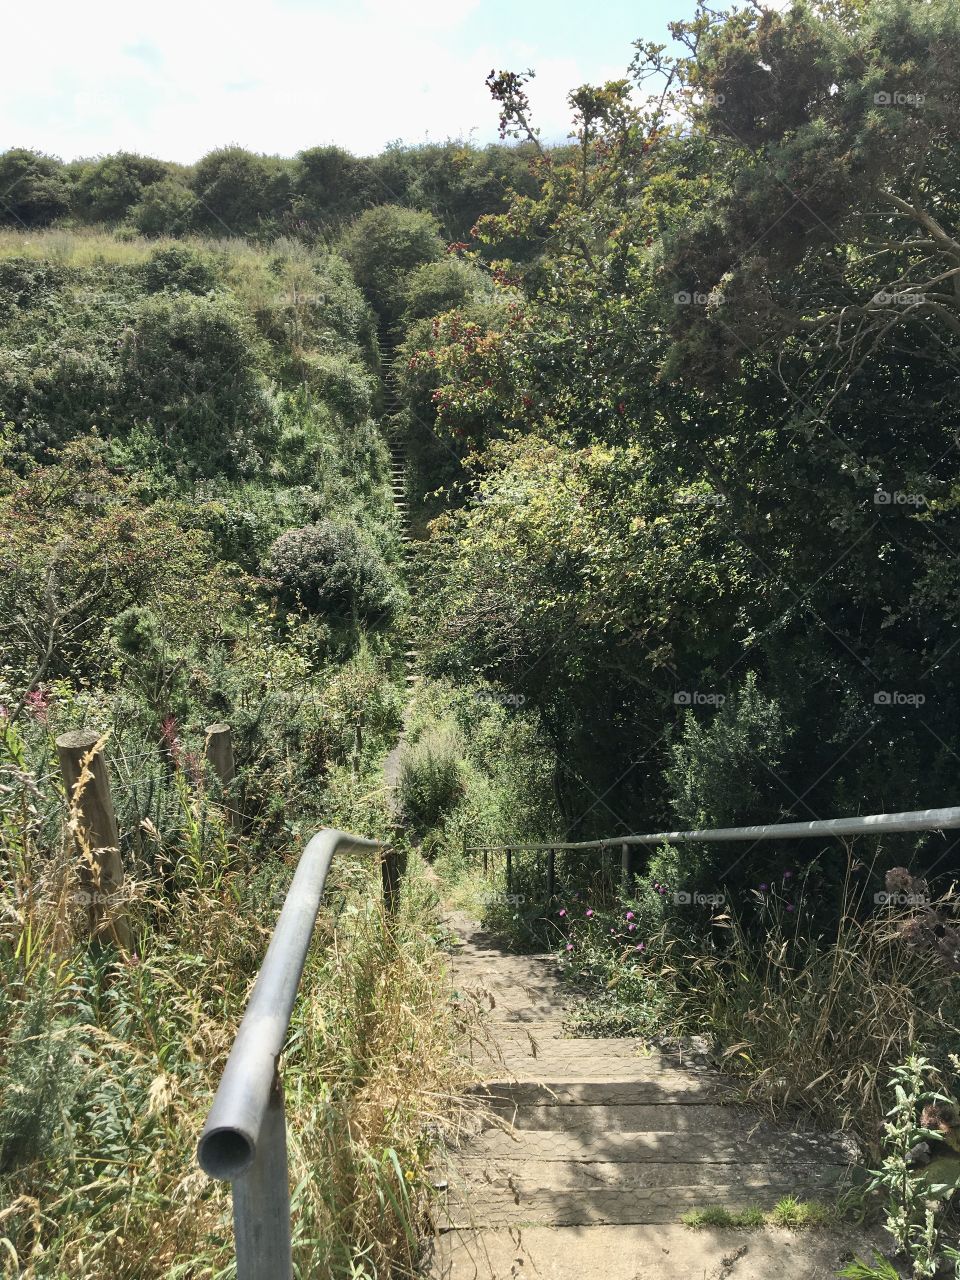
(678, 404)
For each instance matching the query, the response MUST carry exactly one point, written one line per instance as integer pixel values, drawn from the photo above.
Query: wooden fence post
(509, 854)
(101, 869)
(551, 875)
(219, 752)
(629, 867)
(393, 864)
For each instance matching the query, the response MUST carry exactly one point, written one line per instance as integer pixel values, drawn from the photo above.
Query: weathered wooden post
(219, 752)
(87, 784)
(551, 875)
(629, 867)
(509, 854)
(393, 864)
(485, 863)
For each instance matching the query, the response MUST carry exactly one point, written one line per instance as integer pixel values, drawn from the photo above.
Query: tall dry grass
(109, 1060)
(815, 1020)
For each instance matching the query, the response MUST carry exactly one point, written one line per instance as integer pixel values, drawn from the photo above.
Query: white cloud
(187, 77)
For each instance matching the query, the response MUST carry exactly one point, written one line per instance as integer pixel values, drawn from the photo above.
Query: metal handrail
(244, 1139)
(872, 823)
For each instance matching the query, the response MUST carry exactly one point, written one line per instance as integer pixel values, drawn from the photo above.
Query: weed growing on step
(718, 1217)
(794, 1214)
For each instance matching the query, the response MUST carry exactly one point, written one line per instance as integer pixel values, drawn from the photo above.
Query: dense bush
(34, 186)
(439, 286)
(78, 547)
(165, 209)
(340, 381)
(330, 186)
(105, 190)
(330, 566)
(383, 246)
(192, 371)
(237, 191)
(180, 269)
(431, 777)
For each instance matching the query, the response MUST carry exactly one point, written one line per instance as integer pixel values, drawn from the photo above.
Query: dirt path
(593, 1149)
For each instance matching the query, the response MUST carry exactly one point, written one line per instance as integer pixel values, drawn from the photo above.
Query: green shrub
(166, 209)
(342, 382)
(38, 1079)
(439, 286)
(106, 189)
(192, 368)
(431, 777)
(179, 269)
(330, 566)
(34, 186)
(383, 246)
(239, 191)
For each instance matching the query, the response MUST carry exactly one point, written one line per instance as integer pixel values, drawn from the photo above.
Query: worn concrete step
(669, 1252)
(539, 1057)
(576, 1194)
(656, 1086)
(729, 1145)
(664, 1117)
(515, 1177)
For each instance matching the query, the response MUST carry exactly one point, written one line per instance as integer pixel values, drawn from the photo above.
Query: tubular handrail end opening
(225, 1153)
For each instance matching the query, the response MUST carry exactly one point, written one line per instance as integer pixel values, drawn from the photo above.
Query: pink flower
(640, 947)
(38, 704)
(562, 911)
(569, 946)
(589, 912)
(631, 928)
(629, 915)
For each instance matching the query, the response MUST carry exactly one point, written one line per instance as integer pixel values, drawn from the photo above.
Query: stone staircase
(585, 1153)
(398, 489)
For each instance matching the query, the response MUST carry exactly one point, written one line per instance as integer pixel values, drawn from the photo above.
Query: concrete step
(668, 1252)
(729, 1145)
(577, 1194)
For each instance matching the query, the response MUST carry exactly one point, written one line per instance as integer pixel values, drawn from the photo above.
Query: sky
(177, 79)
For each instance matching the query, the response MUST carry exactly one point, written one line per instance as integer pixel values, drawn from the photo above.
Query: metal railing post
(261, 1201)
(244, 1140)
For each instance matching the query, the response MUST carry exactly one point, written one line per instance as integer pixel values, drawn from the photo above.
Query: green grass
(797, 1215)
(717, 1216)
